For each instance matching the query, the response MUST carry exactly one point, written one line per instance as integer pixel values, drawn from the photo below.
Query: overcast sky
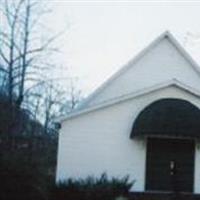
(102, 36)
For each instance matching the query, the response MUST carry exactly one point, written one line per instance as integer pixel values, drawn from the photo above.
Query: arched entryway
(171, 127)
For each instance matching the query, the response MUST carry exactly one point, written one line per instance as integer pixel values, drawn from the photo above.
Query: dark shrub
(17, 184)
(20, 179)
(91, 188)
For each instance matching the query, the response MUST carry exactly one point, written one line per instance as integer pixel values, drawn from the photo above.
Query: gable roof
(130, 64)
(156, 87)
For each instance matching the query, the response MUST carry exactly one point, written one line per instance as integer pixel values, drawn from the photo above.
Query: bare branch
(4, 57)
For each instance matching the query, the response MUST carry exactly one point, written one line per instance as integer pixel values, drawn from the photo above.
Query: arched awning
(168, 117)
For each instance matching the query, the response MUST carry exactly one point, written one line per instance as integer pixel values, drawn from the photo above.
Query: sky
(101, 36)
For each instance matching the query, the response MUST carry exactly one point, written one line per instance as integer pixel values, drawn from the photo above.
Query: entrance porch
(171, 128)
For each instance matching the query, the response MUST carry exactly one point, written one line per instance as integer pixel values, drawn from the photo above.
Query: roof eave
(145, 91)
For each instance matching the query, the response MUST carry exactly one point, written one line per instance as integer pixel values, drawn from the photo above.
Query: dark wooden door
(170, 165)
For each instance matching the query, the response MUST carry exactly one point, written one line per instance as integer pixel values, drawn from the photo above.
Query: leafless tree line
(24, 56)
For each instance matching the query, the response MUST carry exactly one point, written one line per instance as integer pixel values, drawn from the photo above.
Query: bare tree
(21, 49)
(73, 97)
(23, 54)
(24, 60)
(52, 100)
(56, 102)
(33, 100)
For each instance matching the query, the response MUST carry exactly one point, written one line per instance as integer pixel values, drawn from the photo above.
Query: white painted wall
(197, 168)
(98, 141)
(161, 63)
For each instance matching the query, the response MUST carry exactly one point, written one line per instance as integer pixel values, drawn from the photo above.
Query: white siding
(197, 168)
(98, 142)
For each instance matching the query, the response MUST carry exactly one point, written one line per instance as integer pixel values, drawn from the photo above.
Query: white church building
(143, 122)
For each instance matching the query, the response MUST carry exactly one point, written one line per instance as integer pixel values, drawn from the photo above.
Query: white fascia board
(145, 91)
(184, 53)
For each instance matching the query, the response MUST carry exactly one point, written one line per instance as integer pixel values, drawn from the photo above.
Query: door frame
(194, 161)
